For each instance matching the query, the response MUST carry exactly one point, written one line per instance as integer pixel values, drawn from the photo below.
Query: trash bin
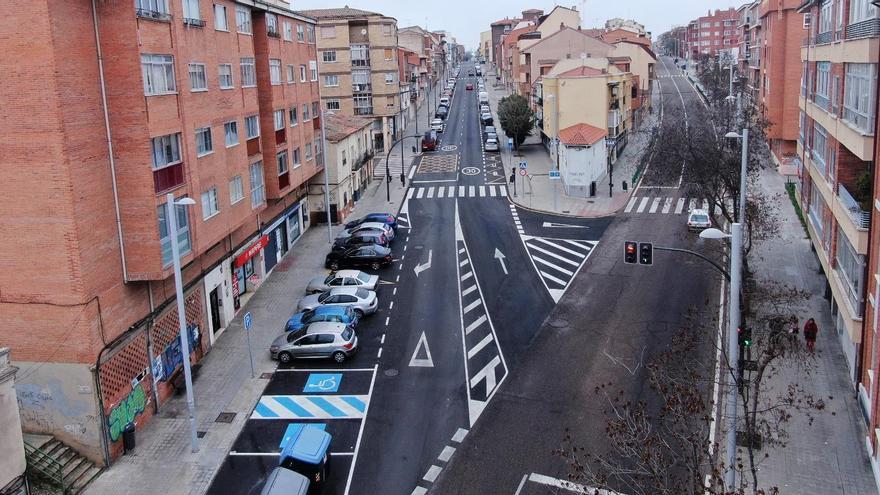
(624, 186)
(128, 439)
(592, 189)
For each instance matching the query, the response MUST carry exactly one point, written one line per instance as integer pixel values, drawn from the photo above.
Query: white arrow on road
(420, 268)
(563, 225)
(500, 257)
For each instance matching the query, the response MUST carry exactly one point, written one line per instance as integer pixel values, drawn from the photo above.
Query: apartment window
(308, 151)
(158, 73)
(861, 10)
(389, 101)
(305, 112)
(807, 20)
(300, 33)
(389, 54)
(851, 266)
(183, 244)
(210, 205)
(858, 95)
(230, 129)
(825, 18)
(313, 70)
(822, 95)
(191, 10)
(333, 105)
(243, 19)
(282, 162)
(315, 109)
(275, 71)
(279, 119)
(310, 33)
(272, 24)
(706, 24)
(166, 150)
(302, 73)
(802, 127)
(252, 126)
(317, 146)
(329, 56)
(221, 22)
(328, 32)
(225, 76)
(236, 190)
(805, 78)
(292, 116)
(817, 211)
(248, 73)
(387, 29)
(389, 78)
(157, 7)
(331, 81)
(288, 31)
(296, 160)
(360, 77)
(360, 55)
(291, 74)
(819, 152)
(717, 42)
(726, 33)
(258, 189)
(203, 141)
(717, 23)
(198, 79)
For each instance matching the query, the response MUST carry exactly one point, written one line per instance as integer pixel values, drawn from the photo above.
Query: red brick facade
(713, 33)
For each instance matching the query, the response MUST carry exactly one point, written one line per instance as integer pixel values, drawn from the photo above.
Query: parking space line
(357, 445)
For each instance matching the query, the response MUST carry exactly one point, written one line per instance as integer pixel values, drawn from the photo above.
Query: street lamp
(171, 216)
(324, 153)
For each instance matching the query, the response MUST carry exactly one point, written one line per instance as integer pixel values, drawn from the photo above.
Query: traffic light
(744, 335)
(646, 253)
(630, 249)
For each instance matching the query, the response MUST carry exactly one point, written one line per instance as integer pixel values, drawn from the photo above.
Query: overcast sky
(465, 19)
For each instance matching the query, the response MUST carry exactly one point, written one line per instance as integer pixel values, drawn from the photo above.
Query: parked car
(337, 314)
(469, 87)
(343, 278)
(485, 109)
(375, 226)
(361, 239)
(336, 341)
(698, 219)
(486, 119)
(444, 101)
(441, 112)
(491, 145)
(362, 301)
(437, 125)
(372, 256)
(429, 141)
(386, 218)
(489, 129)
(492, 135)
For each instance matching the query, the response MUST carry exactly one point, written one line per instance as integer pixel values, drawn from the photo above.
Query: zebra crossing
(452, 192)
(557, 261)
(664, 205)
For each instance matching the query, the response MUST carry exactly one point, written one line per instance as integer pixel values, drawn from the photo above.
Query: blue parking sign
(323, 383)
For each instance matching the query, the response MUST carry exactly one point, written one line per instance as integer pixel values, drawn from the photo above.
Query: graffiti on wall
(124, 413)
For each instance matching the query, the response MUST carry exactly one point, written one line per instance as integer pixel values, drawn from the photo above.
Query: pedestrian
(810, 332)
(793, 325)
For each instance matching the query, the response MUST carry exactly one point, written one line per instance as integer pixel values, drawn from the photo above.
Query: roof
(505, 22)
(624, 35)
(344, 12)
(581, 135)
(581, 71)
(513, 36)
(584, 32)
(338, 127)
(594, 32)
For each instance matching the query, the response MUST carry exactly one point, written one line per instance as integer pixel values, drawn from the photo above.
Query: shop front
(218, 298)
(248, 272)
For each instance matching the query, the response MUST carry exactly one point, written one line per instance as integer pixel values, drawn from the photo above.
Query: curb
(566, 215)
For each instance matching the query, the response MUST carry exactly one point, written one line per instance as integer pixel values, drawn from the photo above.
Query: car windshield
(363, 277)
(346, 334)
(700, 218)
(308, 315)
(362, 293)
(329, 278)
(323, 297)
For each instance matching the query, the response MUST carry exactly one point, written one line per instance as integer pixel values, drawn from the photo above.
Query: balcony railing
(860, 217)
(824, 38)
(362, 88)
(283, 180)
(253, 146)
(863, 29)
(154, 15)
(193, 22)
(168, 177)
(364, 159)
(363, 111)
(273, 33)
(360, 62)
(280, 136)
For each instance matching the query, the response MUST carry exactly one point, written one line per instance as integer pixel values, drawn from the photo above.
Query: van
(484, 97)
(283, 481)
(429, 141)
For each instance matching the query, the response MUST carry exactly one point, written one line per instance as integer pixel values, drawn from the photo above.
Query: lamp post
(171, 217)
(324, 153)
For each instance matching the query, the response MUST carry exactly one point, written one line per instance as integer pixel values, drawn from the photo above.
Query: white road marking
(679, 206)
(450, 192)
(421, 193)
(409, 194)
(551, 277)
(432, 473)
(692, 204)
(467, 276)
(477, 348)
(460, 191)
(425, 362)
(446, 454)
(383, 339)
(492, 191)
(459, 435)
(629, 206)
(568, 485)
(479, 321)
(380, 353)
(642, 205)
(474, 304)
(419, 491)
(488, 374)
(551, 265)
(502, 191)
(548, 253)
(482, 191)
(667, 204)
(654, 205)
(357, 445)
(557, 246)
(387, 319)
(706, 204)
(470, 191)
(469, 290)
(431, 192)
(464, 263)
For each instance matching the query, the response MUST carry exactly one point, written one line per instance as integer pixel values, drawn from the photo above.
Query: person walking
(810, 332)
(793, 325)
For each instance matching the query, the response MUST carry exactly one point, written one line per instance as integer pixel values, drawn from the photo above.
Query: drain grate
(225, 417)
(201, 434)
(267, 375)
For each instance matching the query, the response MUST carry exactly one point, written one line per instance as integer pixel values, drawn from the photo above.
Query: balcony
(273, 32)
(824, 38)
(253, 146)
(363, 160)
(363, 111)
(153, 15)
(860, 217)
(316, 122)
(361, 88)
(280, 136)
(864, 29)
(360, 62)
(167, 178)
(283, 181)
(199, 23)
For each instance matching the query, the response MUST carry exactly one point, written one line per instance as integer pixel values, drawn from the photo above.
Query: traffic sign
(523, 172)
(248, 321)
(522, 165)
(554, 174)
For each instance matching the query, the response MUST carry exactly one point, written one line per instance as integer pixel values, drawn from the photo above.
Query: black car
(372, 256)
(360, 239)
(441, 113)
(386, 218)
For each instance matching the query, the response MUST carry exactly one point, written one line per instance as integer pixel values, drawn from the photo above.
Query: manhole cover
(201, 434)
(225, 417)
(266, 376)
(559, 323)
(391, 372)
(470, 171)
(449, 147)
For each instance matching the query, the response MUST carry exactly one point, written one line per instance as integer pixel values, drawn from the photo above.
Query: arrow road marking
(500, 257)
(426, 362)
(420, 268)
(563, 226)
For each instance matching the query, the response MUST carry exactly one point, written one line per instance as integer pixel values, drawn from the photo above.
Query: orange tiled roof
(581, 135)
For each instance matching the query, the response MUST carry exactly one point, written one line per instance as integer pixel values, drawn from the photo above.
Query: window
(851, 267)
(308, 151)
(802, 127)
(225, 71)
(861, 10)
(210, 206)
(282, 162)
(329, 56)
(292, 116)
(146, 7)
(302, 73)
(389, 54)
(315, 109)
(805, 78)
(822, 94)
(807, 20)
(243, 19)
(331, 81)
(858, 95)
(313, 70)
(317, 146)
(820, 147)
(248, 73)
(817, 210)
(279, 119)
(272, 24)
(387, 29)
(166, 150)
(306, 112)
(221, 23)
(236, 190)
(825, 17)
(158, 72)
(706, 24)
(360, 77)
(360, 55)
(300, 34)
(328, 32)
(183, 244)
(389, 78)
(291, 74)
(191, 10)
(333, 105)
(296, 160)
(389, 101)
(203, 141)
(310, 33)
(258, 189)
(288, 31)
(275, 71)
(252, 126)
(198, 79)
(230, 129)
(717, 23)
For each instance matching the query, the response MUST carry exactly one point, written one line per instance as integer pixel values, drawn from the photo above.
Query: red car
(469, 87)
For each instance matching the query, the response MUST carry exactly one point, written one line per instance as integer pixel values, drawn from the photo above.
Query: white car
(343, 278)
(437, 125)
(698, 219)
(363, 301)
(491, 145)
(444, 101)
(381, 227)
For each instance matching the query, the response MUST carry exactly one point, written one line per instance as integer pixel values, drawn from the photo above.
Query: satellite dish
(364, 31)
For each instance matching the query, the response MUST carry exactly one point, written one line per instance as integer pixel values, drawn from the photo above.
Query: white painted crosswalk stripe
(461, 191)
(706, 204)
(642, 205)
(421, 193)
(451, 192)
(492, 191)
(409, 194)
(471, 191)
(679, 206)
(482, 191)
(430, 192)
(654, 205)
(666, 205)
(441, 191)
(629, 206)
(692, 204)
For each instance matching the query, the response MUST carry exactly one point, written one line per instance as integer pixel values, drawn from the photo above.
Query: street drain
(391, 372)
(559, 323)
(225, 417)
(266, 376)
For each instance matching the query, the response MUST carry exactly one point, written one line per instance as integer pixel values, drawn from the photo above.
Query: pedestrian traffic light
(744, 336)
(630, 252)
(646, 253)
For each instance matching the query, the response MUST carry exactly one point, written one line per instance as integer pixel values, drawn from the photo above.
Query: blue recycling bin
(307, 452)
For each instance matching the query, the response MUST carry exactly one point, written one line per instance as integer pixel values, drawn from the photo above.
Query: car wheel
(375, 265)
(334, 265)
(285, 358)
(359, 313)
(339, 357)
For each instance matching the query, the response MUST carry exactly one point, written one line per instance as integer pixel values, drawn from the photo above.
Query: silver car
(324, 339)
(491, 145)
(385, 229)
(343, 278)
(362, 301)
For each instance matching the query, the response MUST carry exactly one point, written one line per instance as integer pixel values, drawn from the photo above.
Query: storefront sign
(251, 251)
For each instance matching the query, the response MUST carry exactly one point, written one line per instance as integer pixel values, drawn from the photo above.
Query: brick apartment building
(713, 33)
(108, 106)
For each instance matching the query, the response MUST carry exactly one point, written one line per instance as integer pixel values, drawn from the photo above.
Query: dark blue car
(386, 218)
(339, 314)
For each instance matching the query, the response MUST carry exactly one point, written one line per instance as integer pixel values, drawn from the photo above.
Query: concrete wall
(559, 16)
(580, 166)
(12, 464)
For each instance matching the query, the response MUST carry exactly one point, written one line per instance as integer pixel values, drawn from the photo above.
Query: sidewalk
(538, 192)
(828, 456)
(162, 462)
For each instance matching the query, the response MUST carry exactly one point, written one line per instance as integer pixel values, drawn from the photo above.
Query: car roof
(344, 290)
(347, 273)
(330, 310)
(325, 327)
(371, 225)
(699, 211)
